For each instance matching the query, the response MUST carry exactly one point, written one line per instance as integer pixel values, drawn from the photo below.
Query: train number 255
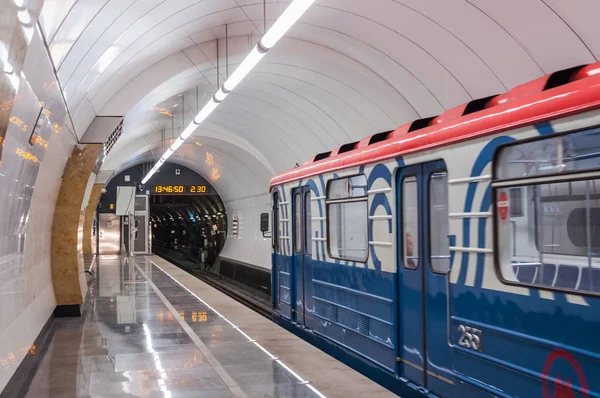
(470, 337)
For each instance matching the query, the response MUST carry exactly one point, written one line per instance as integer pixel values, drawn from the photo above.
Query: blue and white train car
(456, 256)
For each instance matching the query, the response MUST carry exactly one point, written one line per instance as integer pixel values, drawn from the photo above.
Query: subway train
(457, 255)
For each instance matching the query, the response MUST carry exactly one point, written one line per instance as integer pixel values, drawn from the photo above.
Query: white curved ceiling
(347, 69)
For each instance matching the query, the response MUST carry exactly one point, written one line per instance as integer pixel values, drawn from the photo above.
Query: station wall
(249, 246)
(30, 179)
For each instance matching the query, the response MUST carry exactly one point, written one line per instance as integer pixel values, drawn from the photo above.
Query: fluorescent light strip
(178, 142)
(271, 356)
(251, 60)
(207, 110)
(289, 17)
(188, 131)
(285, 22)
(220, 95)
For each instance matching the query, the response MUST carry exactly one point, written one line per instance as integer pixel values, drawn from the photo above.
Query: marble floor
(143, 334)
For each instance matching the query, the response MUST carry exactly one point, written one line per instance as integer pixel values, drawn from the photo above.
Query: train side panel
(347, 301)
(507, 337)
(533, 341)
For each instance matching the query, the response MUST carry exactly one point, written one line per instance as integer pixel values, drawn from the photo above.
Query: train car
(458, 255)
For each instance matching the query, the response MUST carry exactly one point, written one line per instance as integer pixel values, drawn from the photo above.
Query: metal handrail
(527, 264)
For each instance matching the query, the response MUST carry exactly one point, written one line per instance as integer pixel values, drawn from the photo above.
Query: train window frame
(563, 174)
(328, 202)
(402, 219)
(276, 220)
(297, 220)
(586, 174)
(429, 229)
(307, 199)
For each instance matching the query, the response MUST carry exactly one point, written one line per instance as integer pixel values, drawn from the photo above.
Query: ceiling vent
(322, 156)
(420, 123)
(348, 147)
(562, 77)
(380, 137)
(478, 105)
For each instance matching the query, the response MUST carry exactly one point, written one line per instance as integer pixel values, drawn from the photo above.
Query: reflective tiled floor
(143, 335)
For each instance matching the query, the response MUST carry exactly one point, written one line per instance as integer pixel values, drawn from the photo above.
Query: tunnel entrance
(190, 230)
(184, 218)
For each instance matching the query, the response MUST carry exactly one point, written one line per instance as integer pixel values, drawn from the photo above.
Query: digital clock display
(179, 189)
(198, 189)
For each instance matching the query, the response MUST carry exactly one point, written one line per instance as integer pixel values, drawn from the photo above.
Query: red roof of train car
(527, 104)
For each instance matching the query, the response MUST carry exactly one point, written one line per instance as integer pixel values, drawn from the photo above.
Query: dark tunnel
(190, 229)
(184, 215)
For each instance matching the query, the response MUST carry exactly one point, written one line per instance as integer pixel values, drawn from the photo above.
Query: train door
(301, 249)
(275, 258)
(424, 355)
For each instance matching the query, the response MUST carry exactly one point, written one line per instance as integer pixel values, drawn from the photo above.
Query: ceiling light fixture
(289, 17)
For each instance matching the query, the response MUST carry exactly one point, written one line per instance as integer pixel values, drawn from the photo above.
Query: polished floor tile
(143, 335)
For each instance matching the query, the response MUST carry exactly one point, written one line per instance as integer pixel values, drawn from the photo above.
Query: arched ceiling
(347, 69)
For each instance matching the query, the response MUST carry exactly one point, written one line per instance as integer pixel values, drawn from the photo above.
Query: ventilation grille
(380, 137)
(112, 138)
(554, 80)
(348, 147)
(322, 156)
(420, 123)
(332, 313)
(363, 324)
(477, 105)
(562, 77)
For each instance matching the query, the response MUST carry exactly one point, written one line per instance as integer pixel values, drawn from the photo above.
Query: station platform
(150, 329)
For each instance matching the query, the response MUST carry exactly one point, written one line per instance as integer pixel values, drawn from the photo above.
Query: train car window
(552, 237)
(307, 224)
(297, 222)
(410, 221)
(347, 218)
(516, 202)
(275, 228)
(350, 187)
(439, 250)
(555, 155)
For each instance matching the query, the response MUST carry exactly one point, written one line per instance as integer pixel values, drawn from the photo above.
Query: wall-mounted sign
(180, 189)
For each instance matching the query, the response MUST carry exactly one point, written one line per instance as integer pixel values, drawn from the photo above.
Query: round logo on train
(503, 206)
(563, 377)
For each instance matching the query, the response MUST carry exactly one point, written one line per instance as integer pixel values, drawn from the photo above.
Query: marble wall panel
(67, 228)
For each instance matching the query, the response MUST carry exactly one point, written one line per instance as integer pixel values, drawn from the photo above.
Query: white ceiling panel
(117, 27)
(101, 22)
(53, 14)
(582, 17)
(73, 26)
(551, 42)
(346, 70)
(489, 40)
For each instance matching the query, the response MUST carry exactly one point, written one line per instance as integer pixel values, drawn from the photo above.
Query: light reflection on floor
(129, 343)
